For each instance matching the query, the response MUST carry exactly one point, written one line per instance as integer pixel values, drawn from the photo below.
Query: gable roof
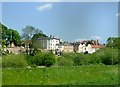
(97, 46)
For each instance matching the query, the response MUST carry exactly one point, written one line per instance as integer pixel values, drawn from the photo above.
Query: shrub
(111, 56)
(78, 59)
(107, 56)
(37, 59)
(43, 59)
(64, 61)
(82, 59)
(13, 60)
(95, 58)
(115, 56)
(49, 59)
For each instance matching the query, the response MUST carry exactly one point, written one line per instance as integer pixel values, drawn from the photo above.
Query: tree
(113, 42)
(27, 34)
(9, 35)
(13, 37)
(36, 42)
(29, 31)
(3, 33)
(89, 42)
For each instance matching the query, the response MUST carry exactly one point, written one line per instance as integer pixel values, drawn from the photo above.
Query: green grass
(0, 71)
(76, 75)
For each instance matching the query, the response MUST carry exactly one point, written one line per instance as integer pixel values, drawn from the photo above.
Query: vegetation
(36, 43)
(104, 56)
(63, 70)
(78, 75)
(113, 42)
(30, 36)
(9, 36)
(43, 59)
(14, 61)
(29, 31)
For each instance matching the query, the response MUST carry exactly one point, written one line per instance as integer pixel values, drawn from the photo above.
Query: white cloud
(45, 7)
(96, 37)
(118, 14)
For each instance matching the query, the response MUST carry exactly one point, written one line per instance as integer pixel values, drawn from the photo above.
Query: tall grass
(16, 61)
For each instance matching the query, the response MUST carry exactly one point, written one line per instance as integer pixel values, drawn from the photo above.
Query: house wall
(51, 43)
(68, 48)
(60, 47)
(89, 49)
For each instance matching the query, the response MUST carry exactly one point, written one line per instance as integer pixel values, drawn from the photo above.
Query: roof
(64, 44)
(97, 46)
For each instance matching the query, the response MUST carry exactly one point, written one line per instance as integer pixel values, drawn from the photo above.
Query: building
(93, 42)
(60, 47)
(81, 48)
(52, 42)
(68, 48)
(49, 43)
(42, 41)
(89, 46)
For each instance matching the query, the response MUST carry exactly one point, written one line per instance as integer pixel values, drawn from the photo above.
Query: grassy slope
(82, 75)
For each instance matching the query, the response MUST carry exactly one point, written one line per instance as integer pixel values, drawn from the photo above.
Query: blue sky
(70, 21)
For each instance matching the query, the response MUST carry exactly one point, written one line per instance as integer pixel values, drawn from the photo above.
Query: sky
(69, 21)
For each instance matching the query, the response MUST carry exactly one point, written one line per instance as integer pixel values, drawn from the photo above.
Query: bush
(86, 59)
(95, 58)
(37, 59)
(43, 59)
(110, 56)
(49, 59)
(12, 60)
(106, 56)
(64, 61)
(69, 55)
(78, 59)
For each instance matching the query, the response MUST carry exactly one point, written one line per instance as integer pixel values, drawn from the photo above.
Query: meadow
(99, 68)
(65, 75)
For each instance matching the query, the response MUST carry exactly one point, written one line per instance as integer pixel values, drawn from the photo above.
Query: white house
(49, 43)
(89, 48)
(52, 42)
(60, 47)
(81, 48)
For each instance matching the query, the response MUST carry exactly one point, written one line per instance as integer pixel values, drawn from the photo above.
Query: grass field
(77, 75)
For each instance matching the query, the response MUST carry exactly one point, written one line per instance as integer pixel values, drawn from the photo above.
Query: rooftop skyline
(70, 21)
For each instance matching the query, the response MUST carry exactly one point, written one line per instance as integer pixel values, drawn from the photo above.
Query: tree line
(29, 33)
(9, 36)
